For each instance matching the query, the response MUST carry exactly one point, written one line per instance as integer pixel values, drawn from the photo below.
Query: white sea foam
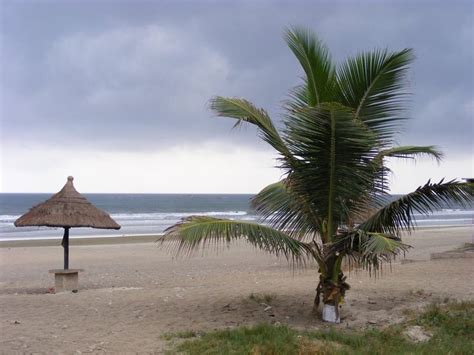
(174, 215)
(447, 212)
(8, 218)
(433, 220)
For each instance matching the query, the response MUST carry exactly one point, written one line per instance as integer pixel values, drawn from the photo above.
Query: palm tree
(331, 206)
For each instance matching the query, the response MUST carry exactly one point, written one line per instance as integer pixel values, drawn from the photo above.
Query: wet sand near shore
(131, 294)
(126, 239)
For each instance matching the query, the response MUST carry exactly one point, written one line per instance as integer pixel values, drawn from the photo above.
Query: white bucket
(329, 314)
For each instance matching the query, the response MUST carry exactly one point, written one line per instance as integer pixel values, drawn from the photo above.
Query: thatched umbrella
(67, 209)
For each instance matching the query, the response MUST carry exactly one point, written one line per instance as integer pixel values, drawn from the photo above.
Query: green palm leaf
(245, 111)
(399, 215)
(334, 167)
(285, 210)
(316, 62)
(410, 152)
(373, 85)
(298, 99)
(195, 232)
(381, 171)
(367, 249)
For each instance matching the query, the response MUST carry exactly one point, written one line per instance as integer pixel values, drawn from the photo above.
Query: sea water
(136, 213)
(152, 213)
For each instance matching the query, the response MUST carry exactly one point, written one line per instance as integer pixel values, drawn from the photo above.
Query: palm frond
(316, 62)
(399, 214)
(382, 172)
(334, 160)
(373, 85)
(410, 152)
(297, 99)
(369, 250)
(245, 111)
(195, 232)
(285, 210)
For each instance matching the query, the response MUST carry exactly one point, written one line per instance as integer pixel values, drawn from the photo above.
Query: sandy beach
(132, 293)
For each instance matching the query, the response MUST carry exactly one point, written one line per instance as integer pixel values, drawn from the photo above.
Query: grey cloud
(138, 75)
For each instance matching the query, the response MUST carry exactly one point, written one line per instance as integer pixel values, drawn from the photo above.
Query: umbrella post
(65, 244)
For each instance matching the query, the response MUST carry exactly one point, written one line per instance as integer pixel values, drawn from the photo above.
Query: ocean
(140, 214)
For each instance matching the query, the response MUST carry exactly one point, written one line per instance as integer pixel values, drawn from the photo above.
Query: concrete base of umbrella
(66, 280)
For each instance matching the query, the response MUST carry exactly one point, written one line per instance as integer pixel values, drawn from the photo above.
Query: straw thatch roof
(67, 208)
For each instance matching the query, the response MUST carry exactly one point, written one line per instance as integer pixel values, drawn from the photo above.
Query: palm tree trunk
(331, 300)
(332, 288)
(317, 299)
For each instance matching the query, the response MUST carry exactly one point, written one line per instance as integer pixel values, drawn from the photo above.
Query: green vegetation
(339, 127)
(262, 298)
(181, 335)
(452, 327)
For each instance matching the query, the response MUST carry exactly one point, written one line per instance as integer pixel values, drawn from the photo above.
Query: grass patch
(261, 298)
(260, 339)
(455, 321)
(452, 326)
(180, 335)
(418, 293)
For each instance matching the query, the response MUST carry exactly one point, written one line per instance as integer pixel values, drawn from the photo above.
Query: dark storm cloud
(138, 75)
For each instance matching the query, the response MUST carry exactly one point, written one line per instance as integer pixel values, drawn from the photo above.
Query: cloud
(409, 175)
(446, 120)
(144, 83)
(116, 77)
(214, 168)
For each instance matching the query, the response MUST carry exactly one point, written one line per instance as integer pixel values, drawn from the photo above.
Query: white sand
(130, 294)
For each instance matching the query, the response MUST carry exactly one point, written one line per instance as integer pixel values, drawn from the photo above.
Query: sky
(116, 93)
